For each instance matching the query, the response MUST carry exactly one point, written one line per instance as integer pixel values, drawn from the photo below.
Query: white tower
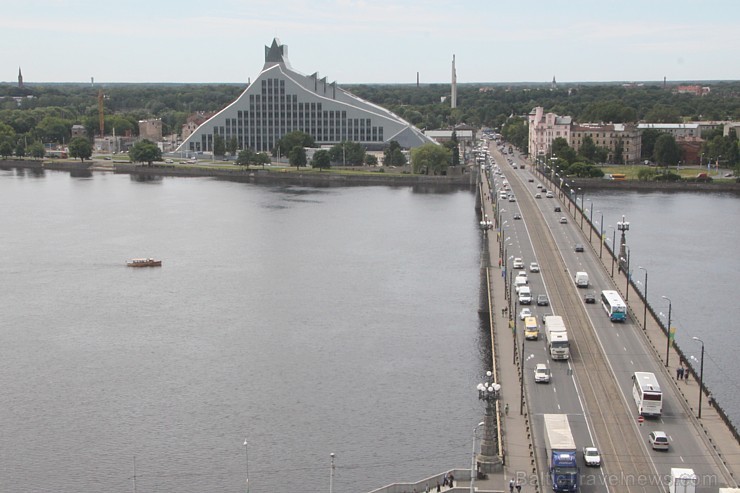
(453, 95)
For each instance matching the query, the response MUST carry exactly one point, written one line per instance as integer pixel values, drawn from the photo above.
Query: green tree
(80, 147)
(219, 145)
(291, 140)
(245, 157)
(231, 146)
(36, 150)
(297, 156)
(20, 148)
(262, 159)
(666, 150)
(588, 148)
(430, 159)
(54, 129)
(347, 153)
(6, 149)
(371, 160)
(321, 159)
(648, 138)
(393, 155)
(646, 174)
(145, 151)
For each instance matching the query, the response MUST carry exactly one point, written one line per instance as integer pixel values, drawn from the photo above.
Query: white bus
(647, 394)
(614, 306)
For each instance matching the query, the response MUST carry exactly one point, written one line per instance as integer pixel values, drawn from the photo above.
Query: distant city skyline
(358, 41)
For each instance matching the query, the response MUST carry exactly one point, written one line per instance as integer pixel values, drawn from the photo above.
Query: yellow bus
(531, 331)
(619, 176)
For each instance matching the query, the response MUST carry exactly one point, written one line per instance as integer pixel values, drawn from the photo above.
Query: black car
(517, 216)
(579, 247)
(542, 300)
(557, 209)
(531, 180)
(589, 298)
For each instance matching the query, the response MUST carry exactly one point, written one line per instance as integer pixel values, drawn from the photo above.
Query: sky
(371, 41)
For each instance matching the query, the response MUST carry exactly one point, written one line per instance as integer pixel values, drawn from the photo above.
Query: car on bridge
(526, 312)
(531, 180)
(557, 209)
(541, 373)
(549, 195)
(658, 440)
(542, 300)
(591, 456)
(518, 263)
(538, 195)
(534, 267)
(590, 298)
(579, 247)
(517, 215)
(563, 220)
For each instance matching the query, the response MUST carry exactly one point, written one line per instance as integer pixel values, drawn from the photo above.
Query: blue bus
(614, 306)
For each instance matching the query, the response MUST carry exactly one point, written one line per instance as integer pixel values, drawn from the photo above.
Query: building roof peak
(276, 53)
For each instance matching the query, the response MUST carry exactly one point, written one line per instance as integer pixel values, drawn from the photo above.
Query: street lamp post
(614, 254)
(601, 234)
(644, 301)
(627, 275)
(472, 464)
(668, 332)
(246, 461)
(591, 220)
(489, 460)
(331, 474)
(701, 374)
(583, 205)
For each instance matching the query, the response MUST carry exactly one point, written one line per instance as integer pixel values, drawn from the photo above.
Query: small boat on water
(144, 262)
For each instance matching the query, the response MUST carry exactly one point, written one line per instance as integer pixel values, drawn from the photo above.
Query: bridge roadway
(594, 386)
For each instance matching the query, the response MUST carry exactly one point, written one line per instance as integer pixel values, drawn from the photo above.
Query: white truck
(525, 295)
(557, 337)
(682, 480)
(582, 279)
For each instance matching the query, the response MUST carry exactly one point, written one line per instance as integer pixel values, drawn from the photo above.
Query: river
(306, 321)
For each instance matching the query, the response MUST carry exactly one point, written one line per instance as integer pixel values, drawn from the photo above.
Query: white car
(549, 195)
(591, 456)
(563, 220)
(541, 373)
(518, 263)
(526, 312)
(534, 267)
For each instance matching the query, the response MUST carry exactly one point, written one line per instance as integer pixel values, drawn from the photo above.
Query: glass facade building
(281, 100)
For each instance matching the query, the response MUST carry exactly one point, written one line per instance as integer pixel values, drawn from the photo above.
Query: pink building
(544, 128)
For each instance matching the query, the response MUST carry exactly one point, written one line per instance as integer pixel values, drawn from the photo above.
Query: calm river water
(308, 321)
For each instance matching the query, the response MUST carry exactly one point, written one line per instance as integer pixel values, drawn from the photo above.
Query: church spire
(20, 78)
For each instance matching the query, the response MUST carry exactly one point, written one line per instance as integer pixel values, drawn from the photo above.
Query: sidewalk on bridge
(517, 438)
(716, 432)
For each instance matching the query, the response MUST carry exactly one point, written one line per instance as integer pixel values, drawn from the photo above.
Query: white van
(525, 295)
(519, 282)
(582, 279)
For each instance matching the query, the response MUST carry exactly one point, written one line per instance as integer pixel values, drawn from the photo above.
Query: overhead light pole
(668, 332)
(701, 374)
(601, 234)
(246, 461)
(331, 474)
(645, 300)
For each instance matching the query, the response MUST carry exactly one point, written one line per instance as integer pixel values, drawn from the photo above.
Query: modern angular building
(281, 100)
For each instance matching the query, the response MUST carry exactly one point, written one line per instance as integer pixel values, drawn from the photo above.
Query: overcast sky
(371, 41)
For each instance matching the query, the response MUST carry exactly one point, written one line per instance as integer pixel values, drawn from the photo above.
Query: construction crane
(100, 113)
